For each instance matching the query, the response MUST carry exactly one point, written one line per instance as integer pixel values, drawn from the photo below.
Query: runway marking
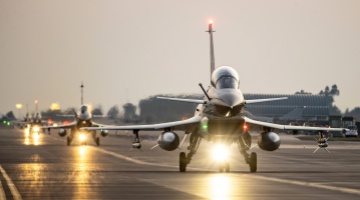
(2, 192)
(15, 193)
(307, 184)
(136, 161)
(280, 180)
(300, 183)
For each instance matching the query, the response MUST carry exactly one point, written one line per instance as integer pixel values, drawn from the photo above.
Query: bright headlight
(27, 132)
(36, 136)
(36, 129)
(82, 137)
(220, 152)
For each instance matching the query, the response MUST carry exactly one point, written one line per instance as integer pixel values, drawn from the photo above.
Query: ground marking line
(2, 192)
(301, 183)
(15, 193)
(280, 180)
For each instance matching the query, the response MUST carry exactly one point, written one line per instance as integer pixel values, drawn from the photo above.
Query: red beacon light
(245, 127)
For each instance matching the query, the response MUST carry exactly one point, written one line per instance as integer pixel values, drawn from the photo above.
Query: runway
(48, 169)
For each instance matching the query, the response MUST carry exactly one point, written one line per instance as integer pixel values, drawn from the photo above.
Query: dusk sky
(124, 51)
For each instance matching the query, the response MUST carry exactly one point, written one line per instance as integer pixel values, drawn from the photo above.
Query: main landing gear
(184, 159)
(68, 140)
(244, 144)
(224, 167)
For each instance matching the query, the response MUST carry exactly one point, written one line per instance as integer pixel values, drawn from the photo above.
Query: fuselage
(84, 117)
(223, 114)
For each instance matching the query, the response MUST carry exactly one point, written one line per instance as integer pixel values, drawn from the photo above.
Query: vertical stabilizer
(212, 56)
(82, 93)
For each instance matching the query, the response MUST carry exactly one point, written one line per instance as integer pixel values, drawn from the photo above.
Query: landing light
(220, 152)
(82, 137)
(27, 132)
(36, 129)
(36, 136)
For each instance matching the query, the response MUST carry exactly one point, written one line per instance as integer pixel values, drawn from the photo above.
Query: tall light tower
(18, 107)
(82, 93)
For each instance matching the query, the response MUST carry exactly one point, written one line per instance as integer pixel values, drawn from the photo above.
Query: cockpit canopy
(83, 108)
(225, 77)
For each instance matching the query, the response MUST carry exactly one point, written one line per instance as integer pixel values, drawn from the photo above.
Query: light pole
(18, 107)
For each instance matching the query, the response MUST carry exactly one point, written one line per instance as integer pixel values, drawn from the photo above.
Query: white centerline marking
(280, 180)
(15, 193)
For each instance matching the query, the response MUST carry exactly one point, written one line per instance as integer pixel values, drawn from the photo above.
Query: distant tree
(334, 110)
(98, 110)
(334, 91)
(69, 111)
(10, 115)
(51, 114)
(327, 90)
(302, 92)
(354, 113)
(113, 112)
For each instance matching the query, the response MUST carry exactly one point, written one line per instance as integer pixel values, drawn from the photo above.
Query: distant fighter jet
(83, 118)
(322, 142)
(219, 118)
(32, 124)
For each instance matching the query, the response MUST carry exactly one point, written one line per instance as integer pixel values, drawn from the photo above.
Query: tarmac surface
(47, 168)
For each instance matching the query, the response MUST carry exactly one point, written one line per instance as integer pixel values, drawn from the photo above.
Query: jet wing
(187, 124)
(72, 124)
(264, 100)
(184, 100)
(288, 127)
(94, 124)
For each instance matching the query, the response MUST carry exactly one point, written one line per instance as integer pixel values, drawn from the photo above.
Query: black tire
(68, 140)
(253, 162)
(182, 162)
(97, 140)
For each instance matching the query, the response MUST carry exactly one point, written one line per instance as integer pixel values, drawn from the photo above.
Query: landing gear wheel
(182, 162)
(253, 162)
(97, 140)
(68, 140)
(224, 167)
(227, 167)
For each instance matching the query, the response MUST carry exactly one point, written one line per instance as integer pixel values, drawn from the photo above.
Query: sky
(127, 50)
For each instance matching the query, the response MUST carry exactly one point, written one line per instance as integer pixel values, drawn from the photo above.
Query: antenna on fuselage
(82, 93)
(212, 56)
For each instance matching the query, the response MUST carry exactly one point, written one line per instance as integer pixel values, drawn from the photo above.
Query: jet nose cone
(228, 98)
(228, 102)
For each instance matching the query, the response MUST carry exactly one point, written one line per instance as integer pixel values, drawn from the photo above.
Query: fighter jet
(32, 124)
(83, 118)
(322, 142)
(220, 118)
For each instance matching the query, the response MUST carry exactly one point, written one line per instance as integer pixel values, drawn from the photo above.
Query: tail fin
(212, 56)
